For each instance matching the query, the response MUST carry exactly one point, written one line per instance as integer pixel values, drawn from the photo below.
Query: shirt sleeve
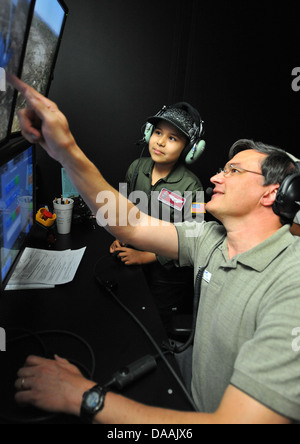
(297, 218)
(190, 236)
(267, 366)
(185, 260)
(165, 261)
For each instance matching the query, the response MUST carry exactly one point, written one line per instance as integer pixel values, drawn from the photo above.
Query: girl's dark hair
(275, 168)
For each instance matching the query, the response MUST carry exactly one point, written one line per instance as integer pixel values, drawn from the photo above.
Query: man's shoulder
(292, 253)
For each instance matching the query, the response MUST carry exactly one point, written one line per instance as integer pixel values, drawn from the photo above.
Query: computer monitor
(15, 17)
(17, 203)
(42, 48)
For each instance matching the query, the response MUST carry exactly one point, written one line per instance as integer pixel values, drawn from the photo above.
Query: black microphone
(132, 372)
(209, 192)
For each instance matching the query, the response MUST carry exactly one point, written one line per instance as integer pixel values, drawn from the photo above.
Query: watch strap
(87, 412)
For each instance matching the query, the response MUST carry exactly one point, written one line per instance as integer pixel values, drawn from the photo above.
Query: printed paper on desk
(46, 267)
(14, 287)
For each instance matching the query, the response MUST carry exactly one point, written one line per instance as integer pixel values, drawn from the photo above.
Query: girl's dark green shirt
(180, 180)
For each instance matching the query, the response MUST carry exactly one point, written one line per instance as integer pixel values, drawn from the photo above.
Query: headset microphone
(209, 192)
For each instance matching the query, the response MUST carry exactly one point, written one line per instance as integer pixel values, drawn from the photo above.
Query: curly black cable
(37, 336)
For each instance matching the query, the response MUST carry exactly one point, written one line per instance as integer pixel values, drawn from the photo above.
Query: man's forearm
(114, 211)
(104, 201)
(236, 407)
(121, 410)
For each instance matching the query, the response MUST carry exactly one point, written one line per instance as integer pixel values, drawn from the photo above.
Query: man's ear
(270, 194)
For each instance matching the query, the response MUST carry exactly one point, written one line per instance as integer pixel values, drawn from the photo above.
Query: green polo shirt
(180, 181)
(248, 311)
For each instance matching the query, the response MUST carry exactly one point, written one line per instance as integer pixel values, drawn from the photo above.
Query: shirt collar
(174, 176)
(261, 256)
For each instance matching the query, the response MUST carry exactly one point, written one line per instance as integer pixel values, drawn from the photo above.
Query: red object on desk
(47, 214)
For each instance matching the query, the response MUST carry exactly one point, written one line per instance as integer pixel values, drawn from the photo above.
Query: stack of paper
(45, 269)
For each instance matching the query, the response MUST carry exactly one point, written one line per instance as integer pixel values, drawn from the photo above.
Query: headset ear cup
(194, 154)
(287, 202)
(148, 132)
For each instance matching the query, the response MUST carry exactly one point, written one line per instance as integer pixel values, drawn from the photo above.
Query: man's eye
(234, 171)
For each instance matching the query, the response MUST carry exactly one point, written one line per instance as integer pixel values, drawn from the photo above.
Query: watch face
(92, 400)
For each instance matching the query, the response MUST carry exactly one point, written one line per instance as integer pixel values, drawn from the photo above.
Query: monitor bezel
(10, 151)
(51, 75)
(13, 135)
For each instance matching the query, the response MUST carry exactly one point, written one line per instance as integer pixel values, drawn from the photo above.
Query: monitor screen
(42, 47)
(17, 203)
(14, 22)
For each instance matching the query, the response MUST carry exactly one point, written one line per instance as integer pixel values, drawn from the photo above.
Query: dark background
(120, 62)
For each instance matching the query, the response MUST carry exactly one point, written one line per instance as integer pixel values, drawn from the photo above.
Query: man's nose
(217, 178)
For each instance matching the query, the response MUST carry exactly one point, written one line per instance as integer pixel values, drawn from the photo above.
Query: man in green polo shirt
(245, 367)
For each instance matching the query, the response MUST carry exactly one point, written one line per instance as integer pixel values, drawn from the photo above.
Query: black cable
(26, 333)
(196, 301)
(37, 335)
(172, 348)
(89, 373)
(107, 287)
(197, 293)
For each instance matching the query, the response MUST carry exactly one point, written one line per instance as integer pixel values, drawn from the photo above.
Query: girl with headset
(174, 137)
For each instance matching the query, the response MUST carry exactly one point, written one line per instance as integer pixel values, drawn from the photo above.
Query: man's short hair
(275, 168)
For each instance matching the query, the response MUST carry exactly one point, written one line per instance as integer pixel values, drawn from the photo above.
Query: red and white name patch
(171, 199)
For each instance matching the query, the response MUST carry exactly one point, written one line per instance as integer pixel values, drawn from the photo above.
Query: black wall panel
(121, 61)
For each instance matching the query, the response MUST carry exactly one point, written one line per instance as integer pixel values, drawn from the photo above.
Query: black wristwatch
(92, 403)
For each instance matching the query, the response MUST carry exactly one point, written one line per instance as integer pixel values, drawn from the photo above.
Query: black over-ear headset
(196, 145)
(287, 202)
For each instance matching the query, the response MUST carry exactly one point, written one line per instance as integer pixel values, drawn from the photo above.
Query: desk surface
(83, 311)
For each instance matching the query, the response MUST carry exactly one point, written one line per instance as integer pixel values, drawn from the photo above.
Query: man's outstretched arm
(42, 122)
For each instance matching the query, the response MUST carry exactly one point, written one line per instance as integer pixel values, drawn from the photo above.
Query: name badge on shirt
(207, 276)
(171, 199)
